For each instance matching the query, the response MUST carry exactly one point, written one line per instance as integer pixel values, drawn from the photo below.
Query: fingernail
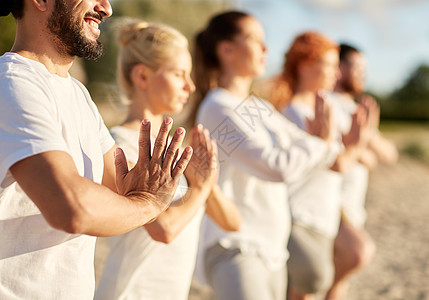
(116, 153)
(199, 126)
(188, 149)
(167, 121)
(180, 130)
(145, 122)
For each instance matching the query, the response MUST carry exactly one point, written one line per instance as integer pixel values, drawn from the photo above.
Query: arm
(223, 210)
(171, 222)
(384, 150)
(201, 175)
(355, 141)
(75, 204)
(258, 151)
(368, 159)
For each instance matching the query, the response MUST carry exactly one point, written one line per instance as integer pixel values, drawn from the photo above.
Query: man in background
(353, 247)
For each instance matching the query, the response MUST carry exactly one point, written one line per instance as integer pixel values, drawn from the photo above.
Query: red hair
(307, 47)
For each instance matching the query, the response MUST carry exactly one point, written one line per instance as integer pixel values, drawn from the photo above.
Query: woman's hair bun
(130, 30)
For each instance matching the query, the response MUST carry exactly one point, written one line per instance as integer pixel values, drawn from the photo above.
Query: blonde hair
(150, 44)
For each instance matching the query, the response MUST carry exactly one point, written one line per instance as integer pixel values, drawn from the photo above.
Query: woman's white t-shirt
(315, 199)
(139, 267)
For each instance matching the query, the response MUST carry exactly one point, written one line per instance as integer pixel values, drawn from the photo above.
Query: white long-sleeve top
(315, 199)
(139, 267)
(259, 151)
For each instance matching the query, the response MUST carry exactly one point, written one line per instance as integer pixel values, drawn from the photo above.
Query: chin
(176, 110)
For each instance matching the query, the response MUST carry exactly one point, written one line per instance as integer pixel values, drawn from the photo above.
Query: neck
(40, 48)
(138, 111)
(305, 97)
(340, 90)
(305, 93)
(237, 85)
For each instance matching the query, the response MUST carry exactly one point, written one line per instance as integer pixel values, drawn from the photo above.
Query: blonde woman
(157, 261)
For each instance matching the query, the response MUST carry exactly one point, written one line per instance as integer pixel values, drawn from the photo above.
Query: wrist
(203, 188)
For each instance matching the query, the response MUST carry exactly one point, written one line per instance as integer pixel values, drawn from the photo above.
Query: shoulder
(264, 87)
(16, 67)
(123, 135)
(216, 104)
(218, 98)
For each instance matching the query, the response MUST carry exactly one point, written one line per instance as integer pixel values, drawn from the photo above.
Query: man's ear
(41, 5)
(140, 75)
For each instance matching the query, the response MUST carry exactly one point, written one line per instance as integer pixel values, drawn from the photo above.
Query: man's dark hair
(345, 50)
(16, 7)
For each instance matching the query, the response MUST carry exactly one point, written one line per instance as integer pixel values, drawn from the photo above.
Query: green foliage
(411, 101)
(7, 36)
(406, 109)
(416, 88)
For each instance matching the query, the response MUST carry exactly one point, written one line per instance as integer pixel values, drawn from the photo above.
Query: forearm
(95, 210)
(223, 210)
(172, 221)
(384, 149)
(346, 159)
(368, 159)
(76, 204)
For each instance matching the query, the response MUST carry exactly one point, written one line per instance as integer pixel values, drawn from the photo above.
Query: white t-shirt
(139, 267)
(315, 200)
(43, 112)
(259, 151)
(355, 180)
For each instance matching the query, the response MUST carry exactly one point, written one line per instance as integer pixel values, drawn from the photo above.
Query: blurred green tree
(416, 87)
(411, 101)
(7, 36)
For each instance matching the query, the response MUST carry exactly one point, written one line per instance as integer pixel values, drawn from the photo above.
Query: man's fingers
(144, 141)
(121, 166)
(162, 139)
(172, 149)
(181, 164)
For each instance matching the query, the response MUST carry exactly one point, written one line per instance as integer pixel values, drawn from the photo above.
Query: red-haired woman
(310, 69)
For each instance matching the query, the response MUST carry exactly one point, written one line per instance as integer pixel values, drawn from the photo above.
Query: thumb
(121, 166)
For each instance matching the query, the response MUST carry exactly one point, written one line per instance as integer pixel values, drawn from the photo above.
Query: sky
(393, 34)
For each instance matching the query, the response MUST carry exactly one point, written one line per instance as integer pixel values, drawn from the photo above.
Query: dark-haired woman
(259, 151)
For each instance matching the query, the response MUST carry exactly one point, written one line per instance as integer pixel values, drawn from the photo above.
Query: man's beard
(349, 86)
(69, 33)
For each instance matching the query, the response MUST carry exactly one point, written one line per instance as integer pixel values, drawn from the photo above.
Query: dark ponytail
(222, 27)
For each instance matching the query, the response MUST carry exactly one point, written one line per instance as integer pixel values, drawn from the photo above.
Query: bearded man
(60, 184)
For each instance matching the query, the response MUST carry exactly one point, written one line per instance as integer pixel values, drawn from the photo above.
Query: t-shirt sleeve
(29, 123)
(105, 138)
